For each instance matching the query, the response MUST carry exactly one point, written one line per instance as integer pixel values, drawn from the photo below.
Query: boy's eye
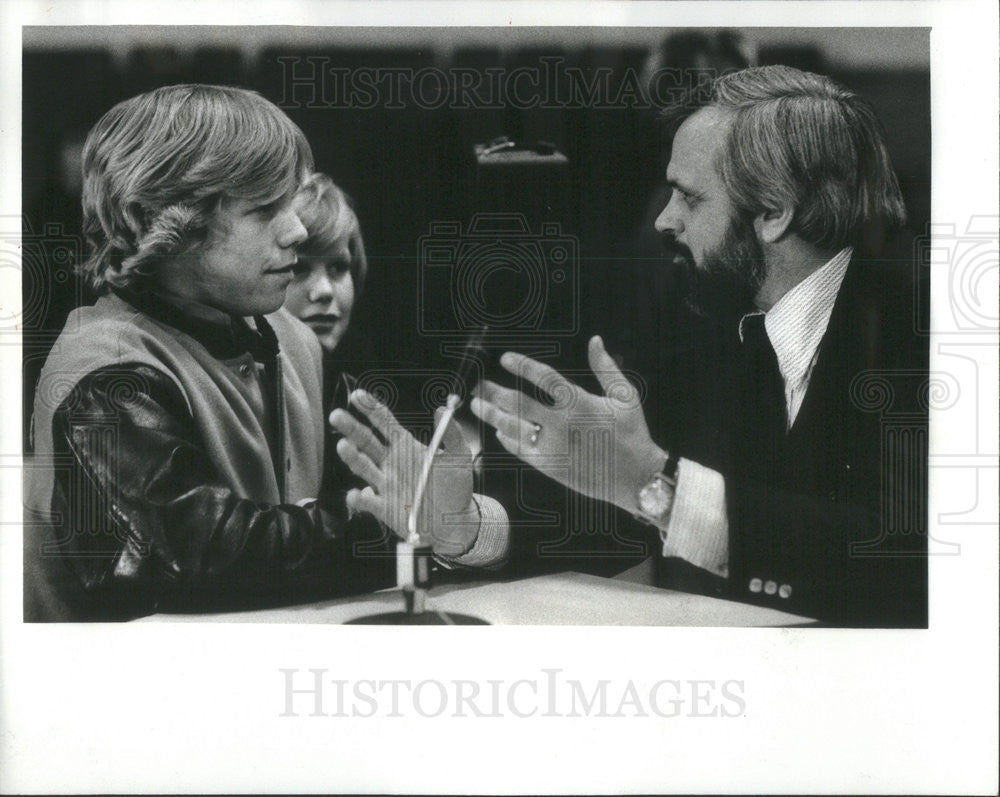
(273, 207)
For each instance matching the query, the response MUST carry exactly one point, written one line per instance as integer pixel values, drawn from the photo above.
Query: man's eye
(300, 268)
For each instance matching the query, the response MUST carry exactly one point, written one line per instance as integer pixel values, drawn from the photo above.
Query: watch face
(654, 499)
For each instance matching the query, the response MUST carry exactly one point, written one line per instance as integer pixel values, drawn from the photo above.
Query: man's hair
(328, 215)
(800, 140)
(157, 166)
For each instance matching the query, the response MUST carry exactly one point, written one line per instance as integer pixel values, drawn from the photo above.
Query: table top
(560, 599)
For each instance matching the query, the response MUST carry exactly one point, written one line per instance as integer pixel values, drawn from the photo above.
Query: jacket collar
(223, 335)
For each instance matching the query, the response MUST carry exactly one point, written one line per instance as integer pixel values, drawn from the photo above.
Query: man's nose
(668, 220)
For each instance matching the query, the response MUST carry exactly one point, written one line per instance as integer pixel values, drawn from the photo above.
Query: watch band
(670, 468)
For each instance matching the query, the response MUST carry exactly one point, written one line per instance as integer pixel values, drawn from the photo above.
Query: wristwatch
(656, 497)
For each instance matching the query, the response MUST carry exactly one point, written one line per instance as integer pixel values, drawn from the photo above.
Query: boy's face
(246, 265)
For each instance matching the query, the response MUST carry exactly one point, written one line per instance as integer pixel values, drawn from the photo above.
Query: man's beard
(730, 276)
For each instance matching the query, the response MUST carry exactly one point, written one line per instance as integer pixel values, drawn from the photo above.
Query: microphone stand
(414, 556)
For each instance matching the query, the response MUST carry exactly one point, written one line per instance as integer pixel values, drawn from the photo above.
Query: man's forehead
(697, 143)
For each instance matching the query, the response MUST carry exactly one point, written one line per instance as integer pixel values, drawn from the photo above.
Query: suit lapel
(850, 345)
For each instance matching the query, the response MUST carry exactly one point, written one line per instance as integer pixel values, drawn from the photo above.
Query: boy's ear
(771, 225)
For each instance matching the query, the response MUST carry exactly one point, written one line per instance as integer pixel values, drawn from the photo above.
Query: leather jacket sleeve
(149, 525)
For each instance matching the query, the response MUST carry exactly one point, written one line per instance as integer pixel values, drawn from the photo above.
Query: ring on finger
(536, 429)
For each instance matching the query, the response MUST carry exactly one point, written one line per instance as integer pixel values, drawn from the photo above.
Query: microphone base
(424, 618)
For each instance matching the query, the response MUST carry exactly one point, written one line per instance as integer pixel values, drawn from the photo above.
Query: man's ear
(771, 225)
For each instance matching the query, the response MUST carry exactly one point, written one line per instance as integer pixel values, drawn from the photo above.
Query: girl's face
(322, 293)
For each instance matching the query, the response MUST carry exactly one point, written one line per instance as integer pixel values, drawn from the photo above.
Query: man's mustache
(675, 252)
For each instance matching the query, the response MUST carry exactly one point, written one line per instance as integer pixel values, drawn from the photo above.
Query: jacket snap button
(784, 591)
(756, 585)
(770, 588)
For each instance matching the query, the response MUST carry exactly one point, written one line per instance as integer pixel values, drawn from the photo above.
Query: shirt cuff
(698, 530)
(492, 542)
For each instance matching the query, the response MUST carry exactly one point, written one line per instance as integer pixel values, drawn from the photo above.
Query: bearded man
(792, 469)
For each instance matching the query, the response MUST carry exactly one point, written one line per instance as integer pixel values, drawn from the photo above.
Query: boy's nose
(293, 232)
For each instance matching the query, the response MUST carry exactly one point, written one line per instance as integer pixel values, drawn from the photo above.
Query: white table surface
(561, 599)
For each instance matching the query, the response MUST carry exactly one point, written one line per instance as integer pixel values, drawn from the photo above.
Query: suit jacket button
(784, 591)
(770, 588)
(756, 585)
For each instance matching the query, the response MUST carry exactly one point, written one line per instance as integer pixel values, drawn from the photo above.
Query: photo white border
(196, 707)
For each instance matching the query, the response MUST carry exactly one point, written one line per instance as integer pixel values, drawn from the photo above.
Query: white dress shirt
(492, 542)
(698, 529)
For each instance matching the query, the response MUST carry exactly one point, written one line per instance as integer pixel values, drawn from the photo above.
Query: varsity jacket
(176, 466)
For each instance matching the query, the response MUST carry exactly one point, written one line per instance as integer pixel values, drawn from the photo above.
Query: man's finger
(510, 401)
(503, 422)
(360, 464)
(542, 376)
(613, 382)
(512, 445)
(359, 434)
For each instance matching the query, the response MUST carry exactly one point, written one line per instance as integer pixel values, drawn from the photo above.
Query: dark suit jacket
(834, 524)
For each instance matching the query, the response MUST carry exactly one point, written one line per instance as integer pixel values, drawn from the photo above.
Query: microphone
(414, 554)
(459, 393)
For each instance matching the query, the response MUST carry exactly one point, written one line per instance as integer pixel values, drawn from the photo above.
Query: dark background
(409, 167)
